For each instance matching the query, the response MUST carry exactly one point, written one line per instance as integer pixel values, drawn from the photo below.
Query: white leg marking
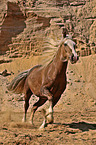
(43, 124)
(24, 118)
(50, 115)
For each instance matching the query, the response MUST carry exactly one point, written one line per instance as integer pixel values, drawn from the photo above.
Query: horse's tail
(17, 84)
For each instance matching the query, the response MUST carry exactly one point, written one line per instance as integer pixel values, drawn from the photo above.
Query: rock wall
(13, 24)
(26, 24)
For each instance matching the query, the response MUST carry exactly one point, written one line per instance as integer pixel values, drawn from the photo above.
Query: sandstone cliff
(25, 24)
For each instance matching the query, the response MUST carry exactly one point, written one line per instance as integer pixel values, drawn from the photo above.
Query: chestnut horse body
(46, 82)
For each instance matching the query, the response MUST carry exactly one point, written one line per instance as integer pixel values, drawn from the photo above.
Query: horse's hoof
(50, 119)
(31, 122)
(41, 127)
(23, 120)
(50, 122)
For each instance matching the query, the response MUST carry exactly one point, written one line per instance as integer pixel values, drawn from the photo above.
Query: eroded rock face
(13, 24)
(26, 24)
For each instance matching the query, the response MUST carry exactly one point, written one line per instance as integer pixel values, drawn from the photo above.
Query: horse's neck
(59, 63)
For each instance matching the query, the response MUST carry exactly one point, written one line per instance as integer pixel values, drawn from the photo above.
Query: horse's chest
(59, 84)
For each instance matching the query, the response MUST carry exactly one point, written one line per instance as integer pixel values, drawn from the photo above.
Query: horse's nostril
(77, 57)
(72, 57)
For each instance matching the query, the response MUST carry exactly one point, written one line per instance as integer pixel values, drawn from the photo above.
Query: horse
(47, 82)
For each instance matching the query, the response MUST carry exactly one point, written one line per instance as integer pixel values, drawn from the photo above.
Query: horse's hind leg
(26, 105)
(39, 103)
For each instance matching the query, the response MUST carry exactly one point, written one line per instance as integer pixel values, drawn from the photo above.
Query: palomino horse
(46, 82)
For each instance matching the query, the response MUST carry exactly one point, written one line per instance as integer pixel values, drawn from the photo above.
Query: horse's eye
(75, 46)
(65, 44)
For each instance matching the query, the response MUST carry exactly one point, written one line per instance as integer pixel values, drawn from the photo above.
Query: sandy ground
(74, 115)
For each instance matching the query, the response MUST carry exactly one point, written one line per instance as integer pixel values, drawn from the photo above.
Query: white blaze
(71, 44)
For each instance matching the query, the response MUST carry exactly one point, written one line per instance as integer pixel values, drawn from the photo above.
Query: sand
(74, 115)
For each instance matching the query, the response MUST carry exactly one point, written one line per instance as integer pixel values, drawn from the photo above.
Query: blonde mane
(50, 48)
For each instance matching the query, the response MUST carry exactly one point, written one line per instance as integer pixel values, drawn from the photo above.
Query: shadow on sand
(83, 126)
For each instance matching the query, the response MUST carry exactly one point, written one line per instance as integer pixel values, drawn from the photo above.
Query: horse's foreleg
(44, 124)
(48, 116)
(39, 103)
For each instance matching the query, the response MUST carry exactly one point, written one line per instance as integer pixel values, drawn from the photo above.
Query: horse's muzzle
(74, 59)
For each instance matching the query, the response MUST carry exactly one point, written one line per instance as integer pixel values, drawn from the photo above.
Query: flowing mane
(50, 48)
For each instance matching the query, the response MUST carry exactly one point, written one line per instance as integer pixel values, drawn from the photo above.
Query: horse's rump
(18, 82)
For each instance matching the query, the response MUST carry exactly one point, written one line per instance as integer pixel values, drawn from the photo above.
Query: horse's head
(69, 49)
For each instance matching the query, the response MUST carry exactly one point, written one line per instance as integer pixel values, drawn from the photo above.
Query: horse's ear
(64, 32)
